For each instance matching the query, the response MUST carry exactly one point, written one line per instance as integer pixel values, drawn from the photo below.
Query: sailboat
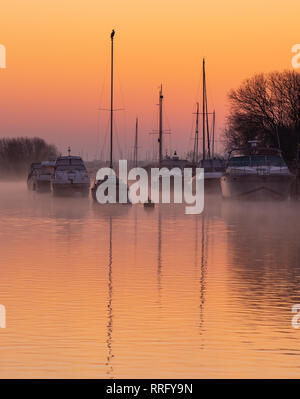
(148, 203)
(213, 167)
(119, 182)
(166, 161)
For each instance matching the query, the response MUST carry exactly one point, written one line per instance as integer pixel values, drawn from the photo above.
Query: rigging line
(210, 91)
(118, 139)
(98, 134)
(168, 128)
(192, 130)
(191, 137)
(123, 102)
(120, 87)
(198, 85)
(104, 142)
(100, 98)
(207, 126)
(154, 149)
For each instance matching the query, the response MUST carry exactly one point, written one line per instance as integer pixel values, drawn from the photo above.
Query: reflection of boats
(149, 204)
(110, 306)
(256, 173)
(204, 247)
(70, 176)
(256, 253)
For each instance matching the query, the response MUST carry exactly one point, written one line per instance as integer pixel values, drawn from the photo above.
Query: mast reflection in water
(97, 292)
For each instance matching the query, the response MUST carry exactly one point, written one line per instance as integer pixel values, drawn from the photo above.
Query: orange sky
(57, 72)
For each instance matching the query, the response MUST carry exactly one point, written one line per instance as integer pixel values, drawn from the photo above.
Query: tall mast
(111, 97)
(136, 143)
(160, 139)
(196, 150)
(203, 110)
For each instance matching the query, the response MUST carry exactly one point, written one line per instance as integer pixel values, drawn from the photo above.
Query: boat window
(275, 160)
(47, 170)
(69, 162)
(80, 168)
(76, 162)
(257, 160)
(239, 161)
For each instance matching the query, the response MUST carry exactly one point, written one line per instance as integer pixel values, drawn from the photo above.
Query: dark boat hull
(212, 186)
(255, 187)
(43, 186)
(70, 189)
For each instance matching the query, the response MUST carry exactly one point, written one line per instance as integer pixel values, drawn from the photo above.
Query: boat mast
(160, 140)
(203, 110)
(195, 155)
(205, 116)
(136, 143)
(111, 97)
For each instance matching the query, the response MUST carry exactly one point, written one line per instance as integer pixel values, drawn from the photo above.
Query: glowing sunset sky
(58, 53)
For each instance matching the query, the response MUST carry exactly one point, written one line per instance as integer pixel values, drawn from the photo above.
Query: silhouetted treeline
(16, 155)
(266, 107)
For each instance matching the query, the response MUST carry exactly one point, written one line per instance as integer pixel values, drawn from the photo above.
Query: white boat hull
(256, 187)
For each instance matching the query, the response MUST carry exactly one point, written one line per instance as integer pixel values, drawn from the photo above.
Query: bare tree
(266, 107)
(16, 154)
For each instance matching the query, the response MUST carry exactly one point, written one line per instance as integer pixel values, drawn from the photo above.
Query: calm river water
(92, 292)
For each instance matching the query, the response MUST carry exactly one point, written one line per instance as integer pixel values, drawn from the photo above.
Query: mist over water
(97, 291)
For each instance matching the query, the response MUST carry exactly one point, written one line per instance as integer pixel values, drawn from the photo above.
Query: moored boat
(70, 176)
(256, 173)
(44, 176)
(213, 166)
(114, 180)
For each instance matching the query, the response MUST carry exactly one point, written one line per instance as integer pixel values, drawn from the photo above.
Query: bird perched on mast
(112, 34)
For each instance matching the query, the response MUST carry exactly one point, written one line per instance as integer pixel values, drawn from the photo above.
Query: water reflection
(263, 250)
(203, 270)
(159, 255)
(109, 305)
(117, 292)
